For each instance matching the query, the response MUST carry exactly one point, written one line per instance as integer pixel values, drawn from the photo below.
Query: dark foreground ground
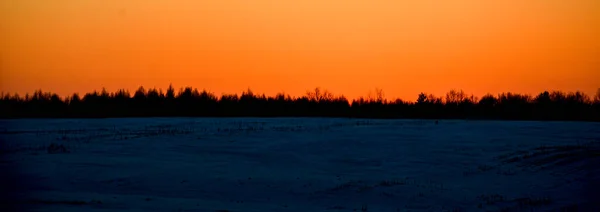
(196, 164)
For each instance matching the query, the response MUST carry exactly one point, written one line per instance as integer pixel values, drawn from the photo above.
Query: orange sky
(346, 46)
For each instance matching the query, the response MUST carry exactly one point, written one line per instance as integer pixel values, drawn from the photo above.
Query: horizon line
(306, 93)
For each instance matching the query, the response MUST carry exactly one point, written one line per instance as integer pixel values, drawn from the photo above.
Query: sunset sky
(346, 46)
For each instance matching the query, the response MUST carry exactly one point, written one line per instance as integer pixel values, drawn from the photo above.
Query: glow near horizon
(346, 46)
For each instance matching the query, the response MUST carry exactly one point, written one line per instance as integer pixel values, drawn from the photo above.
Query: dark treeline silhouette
(555, 105)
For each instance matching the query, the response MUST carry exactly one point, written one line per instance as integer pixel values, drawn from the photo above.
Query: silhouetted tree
(170, 92)
(318, 95)
(454, 97)
(487, 107)
(543, 98)
(554, 105)
(422, 99)
(378, 96)
(514, 106)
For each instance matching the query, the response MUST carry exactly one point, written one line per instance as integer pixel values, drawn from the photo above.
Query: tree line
(190, 102)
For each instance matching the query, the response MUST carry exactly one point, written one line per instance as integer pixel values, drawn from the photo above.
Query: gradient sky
(346, 46)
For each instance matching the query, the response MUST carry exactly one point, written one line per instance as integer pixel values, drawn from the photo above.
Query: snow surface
(298, 164)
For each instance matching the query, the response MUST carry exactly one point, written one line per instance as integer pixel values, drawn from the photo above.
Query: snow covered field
(285, 164)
